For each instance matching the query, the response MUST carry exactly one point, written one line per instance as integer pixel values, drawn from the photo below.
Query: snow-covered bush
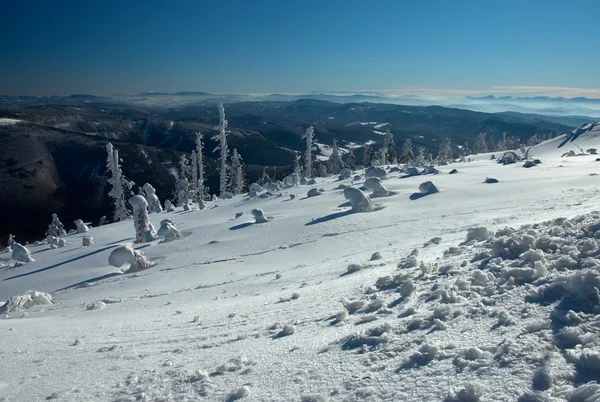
(21, 253)
(313, 192)
(153, 201)
(255, 189)
(375, 171)
(182, 191)
(425, 189)
(144, 232)
(81, 226)
(56, 242)
(374, 184)
(359, 200)
(56, 228)
(27, 300)
(345, 174)
(127, 255)
(169, 206)
(291, 180)
(87, 241)
(169, 231)
(259, 216)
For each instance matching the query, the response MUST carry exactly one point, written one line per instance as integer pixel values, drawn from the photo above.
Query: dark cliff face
(54, 159)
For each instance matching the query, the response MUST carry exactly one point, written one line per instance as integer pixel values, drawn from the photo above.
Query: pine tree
(322, 170)
(201, 190)
(56, 227)
(265, 178)
(368, 155)
(534, 140)
(408, 155)
(351, 160)
(420, 158)
(237, 173)
(222, 138)
(446, 154)
(491, 144)
(120, 186)
(388, 152)
(194, 168)
(297, 165)
(310, 131)
(466, 149)
(480, 146)
(182, 192)
(335, 160)
(185, 170)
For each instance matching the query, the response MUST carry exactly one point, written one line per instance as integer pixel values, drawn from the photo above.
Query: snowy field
(479, 292)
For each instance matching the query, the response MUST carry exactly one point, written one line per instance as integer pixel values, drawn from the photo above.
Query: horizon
(432, 48)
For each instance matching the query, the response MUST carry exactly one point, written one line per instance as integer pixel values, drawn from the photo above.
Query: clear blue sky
(265, 46)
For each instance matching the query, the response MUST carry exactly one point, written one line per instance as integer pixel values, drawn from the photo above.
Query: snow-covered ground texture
(478, 292)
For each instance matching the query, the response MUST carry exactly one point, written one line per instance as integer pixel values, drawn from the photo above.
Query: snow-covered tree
(237, 173)
(121, 187)
(408, 155)
(335, 160)
(144, 231)
(264, 178)
(533, 140)
(194, 168)
(308, 135)
(56, 227)
(297, 169)
(491, 144)
(153, 201)
(21, 253)
(368, 155)
(388, 152)
(201, 190)
(466, 149)
(81, 226)
(185, 170)
(445, 152)
(182, 192)
(502, 144)
(322, 170)
(222, 147)
(351, 159)
(420, 158)
(480, 146)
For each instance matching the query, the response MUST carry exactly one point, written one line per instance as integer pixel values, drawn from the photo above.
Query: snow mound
(425, 189)
(359, 200)
(26, 301)
(21, 253)
(375, 171)
(127, 255)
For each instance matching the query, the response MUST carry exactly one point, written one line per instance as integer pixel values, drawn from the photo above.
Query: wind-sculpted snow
(478, 292)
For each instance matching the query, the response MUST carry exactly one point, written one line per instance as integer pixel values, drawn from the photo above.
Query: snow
(265, 311)
(5, 121)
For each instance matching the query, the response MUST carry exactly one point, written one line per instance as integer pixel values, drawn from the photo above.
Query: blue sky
(287, 46)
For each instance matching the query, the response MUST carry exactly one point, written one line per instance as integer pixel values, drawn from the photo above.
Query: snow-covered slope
(296, 308)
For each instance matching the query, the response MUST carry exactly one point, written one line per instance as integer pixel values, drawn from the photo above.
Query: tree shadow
(90, 281)
(241, 226)
(329, 217)
(59, 264)
(416, 196)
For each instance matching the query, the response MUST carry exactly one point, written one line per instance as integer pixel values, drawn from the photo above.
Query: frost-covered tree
(201, 190)
(335, 164)
(322, 170)
(408, 155)
(120, 186)
(351, 159)
(368, 154)
(534, 140)
(185, 170)
(420, 158)
(308, 135)
(502, 144)
(297, 169)
(264, 178)
(56, 227)
(222, 147)
(194, 168)
(153, 201)
(144, 231)
(466, 149)
(237, 173)
(388, 152)
(491, 144)
(480, 146)
(445, 152)
(182, 192)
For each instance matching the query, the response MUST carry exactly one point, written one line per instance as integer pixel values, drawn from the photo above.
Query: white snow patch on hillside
(5, 121)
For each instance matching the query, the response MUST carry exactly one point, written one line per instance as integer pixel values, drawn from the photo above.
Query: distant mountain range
(579, 110)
